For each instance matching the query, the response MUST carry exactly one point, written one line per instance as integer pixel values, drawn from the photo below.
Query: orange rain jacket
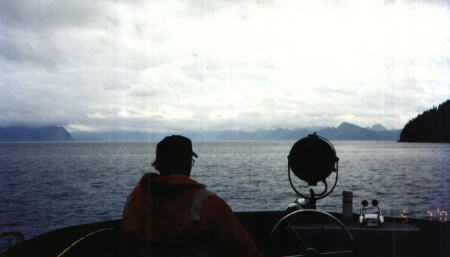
(178, 210)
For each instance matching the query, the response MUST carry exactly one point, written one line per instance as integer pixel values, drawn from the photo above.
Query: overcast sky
(221, 65)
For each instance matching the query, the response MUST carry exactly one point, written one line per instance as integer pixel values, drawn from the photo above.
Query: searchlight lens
(312, 159)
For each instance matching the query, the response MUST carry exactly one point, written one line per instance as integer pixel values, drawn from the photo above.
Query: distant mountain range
(25, 134)
(431, 126)
(345, 131)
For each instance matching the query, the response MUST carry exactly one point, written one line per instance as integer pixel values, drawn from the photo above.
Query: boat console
(306, 231)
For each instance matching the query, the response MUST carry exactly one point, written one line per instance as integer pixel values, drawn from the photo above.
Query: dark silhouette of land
(345, 131)
(26, 134)
(431, 126)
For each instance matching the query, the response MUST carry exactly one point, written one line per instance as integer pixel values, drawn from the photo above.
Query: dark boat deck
(419, 237)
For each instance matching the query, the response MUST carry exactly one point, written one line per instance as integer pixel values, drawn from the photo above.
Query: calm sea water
(46, 186)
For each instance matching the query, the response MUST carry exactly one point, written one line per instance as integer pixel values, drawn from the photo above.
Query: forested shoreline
(432, 126)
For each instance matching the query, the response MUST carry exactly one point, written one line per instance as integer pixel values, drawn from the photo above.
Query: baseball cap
(174, 148)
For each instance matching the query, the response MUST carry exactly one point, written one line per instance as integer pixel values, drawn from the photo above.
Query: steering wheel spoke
(298, 236)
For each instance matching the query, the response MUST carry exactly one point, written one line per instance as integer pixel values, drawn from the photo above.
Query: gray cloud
(35, 16)
(38, 53)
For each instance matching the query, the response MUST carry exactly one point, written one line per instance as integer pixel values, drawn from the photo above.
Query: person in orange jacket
(169, 214)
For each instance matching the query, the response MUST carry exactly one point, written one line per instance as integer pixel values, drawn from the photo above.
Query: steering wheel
(310, 233)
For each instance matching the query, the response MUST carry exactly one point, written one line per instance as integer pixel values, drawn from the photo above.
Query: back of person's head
(174, 155)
